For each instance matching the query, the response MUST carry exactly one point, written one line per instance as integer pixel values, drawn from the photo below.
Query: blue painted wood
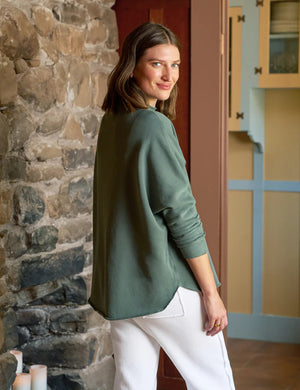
(252, 98)
(264, 327)
(282, 186)
(268, 185)
(236, 3)
(241, 185)
(256, 130)
(257, 232)
(257, 326)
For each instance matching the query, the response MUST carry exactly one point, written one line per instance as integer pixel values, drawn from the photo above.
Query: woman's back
(139, 168)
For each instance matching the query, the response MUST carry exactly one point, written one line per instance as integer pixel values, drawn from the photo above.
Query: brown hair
(123, 92)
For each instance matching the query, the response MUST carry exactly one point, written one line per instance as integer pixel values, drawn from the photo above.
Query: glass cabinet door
(279, 44)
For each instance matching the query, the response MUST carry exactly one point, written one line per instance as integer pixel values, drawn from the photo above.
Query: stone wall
(55, 57)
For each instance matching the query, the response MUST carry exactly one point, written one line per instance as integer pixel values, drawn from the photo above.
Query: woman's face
(157, 72)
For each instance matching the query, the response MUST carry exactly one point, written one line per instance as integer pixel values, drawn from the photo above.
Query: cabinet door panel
(279, 51)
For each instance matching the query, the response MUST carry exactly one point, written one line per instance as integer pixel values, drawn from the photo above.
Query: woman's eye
(156, 64)
(175, 65)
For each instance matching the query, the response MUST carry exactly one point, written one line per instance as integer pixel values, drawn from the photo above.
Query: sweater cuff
(199, 248)
(194, 249)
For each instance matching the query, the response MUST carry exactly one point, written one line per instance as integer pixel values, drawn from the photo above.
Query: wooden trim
(279, 81)
(209, 125)
(264, 327)
(167, 383)
(156, 15)
(264, 28)
(223, 155)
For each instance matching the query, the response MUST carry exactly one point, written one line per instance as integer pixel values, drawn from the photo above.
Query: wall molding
(268, 185)
(256, 325)
(264, 327)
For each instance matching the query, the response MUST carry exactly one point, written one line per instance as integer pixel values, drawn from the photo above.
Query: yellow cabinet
(279, 50)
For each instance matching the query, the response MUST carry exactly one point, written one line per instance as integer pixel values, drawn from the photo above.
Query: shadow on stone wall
(55, 57)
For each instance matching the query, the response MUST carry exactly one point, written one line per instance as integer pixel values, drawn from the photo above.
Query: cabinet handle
(239, 115)
(259, 3)
(241, 18)
(258, 70)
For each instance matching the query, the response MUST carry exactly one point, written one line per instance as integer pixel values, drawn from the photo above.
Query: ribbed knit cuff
(195, 249)
(199, 248)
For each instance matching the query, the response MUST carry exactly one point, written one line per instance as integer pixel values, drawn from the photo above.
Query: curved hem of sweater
(114, 318)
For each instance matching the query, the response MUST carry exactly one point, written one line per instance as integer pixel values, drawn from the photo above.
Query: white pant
(201, 360)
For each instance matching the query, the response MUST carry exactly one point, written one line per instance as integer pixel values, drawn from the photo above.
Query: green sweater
(145, 220)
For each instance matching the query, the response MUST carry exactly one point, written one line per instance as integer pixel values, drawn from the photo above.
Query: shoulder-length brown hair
(124, 95)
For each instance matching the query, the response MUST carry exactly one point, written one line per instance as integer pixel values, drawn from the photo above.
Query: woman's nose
(167, 73)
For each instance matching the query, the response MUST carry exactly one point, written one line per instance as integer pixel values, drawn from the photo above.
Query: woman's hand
(216, 314)
(213, 304)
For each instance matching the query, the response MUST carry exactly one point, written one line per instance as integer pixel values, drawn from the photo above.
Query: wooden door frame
(208, 148)
(208, 134)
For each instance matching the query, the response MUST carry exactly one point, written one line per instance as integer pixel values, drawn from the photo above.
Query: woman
(152, 274)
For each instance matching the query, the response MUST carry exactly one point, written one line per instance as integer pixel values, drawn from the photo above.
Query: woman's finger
(218, 326)
(210, 324)
(215, 330)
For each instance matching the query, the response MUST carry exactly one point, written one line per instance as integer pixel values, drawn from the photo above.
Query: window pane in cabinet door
(284, 37)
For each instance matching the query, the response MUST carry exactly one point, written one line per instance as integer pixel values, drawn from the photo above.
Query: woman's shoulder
(141, 114)
(146, 120)
(140, 125)
(152, 113)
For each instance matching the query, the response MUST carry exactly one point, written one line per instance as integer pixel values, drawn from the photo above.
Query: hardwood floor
(261, 365)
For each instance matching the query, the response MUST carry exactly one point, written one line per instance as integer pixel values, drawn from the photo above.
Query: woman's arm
(214, 306)
(170, 195)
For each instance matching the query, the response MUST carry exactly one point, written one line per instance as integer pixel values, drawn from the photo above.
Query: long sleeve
(169, 189)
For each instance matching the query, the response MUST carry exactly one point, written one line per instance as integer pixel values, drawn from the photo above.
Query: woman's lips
(165, 87)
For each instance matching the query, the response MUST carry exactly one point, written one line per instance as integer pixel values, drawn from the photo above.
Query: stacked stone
(55, 57)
